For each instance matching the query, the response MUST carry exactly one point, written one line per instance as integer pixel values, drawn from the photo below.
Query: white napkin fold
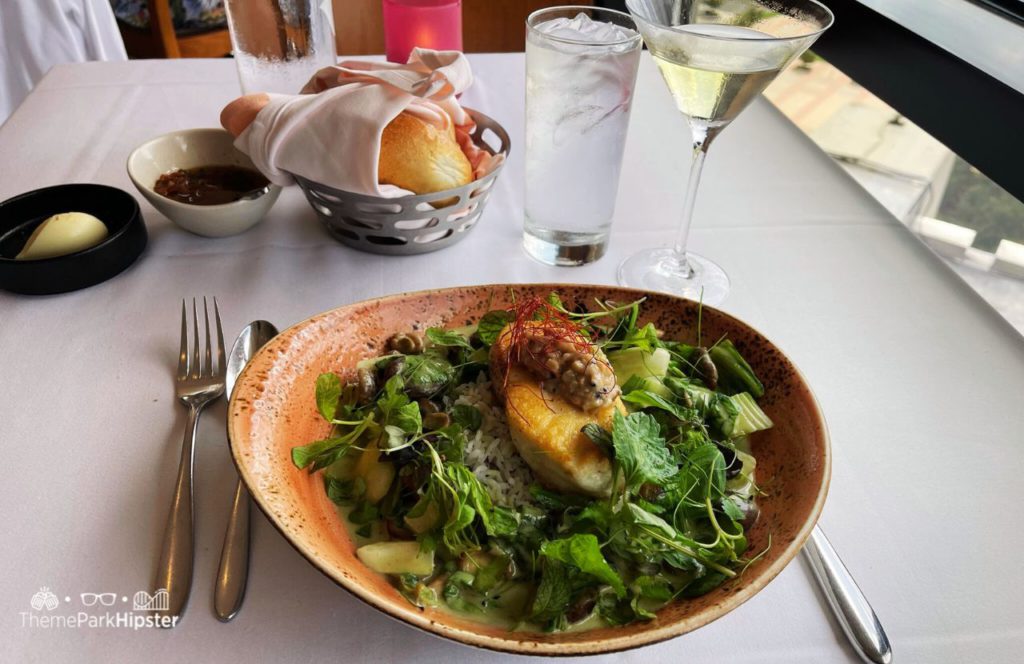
(331, 132)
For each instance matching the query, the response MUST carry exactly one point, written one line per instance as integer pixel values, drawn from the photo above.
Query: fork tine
(221, 364)
(208, 364)
(183, 354)
(197, 367)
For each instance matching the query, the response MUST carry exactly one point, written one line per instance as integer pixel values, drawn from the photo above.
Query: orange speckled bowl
(273, 409)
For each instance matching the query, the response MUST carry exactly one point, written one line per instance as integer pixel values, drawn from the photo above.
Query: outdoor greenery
(972, 200)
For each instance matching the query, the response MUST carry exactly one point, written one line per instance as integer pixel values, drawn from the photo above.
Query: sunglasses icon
(106, 599)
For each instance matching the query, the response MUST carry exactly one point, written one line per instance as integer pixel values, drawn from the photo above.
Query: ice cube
(582, 28)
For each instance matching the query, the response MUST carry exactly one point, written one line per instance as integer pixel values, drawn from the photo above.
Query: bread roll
(418, 156)
(414, 154)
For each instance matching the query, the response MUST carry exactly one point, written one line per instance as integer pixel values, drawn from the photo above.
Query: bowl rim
(556, 649)
(125, 228)
(148, 189)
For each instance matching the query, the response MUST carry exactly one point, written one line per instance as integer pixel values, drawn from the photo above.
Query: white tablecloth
(921, 383)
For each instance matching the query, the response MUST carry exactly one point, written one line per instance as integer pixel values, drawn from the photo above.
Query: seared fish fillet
(546, 429)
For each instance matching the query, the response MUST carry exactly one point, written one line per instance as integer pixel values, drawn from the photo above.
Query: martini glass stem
(701, 141)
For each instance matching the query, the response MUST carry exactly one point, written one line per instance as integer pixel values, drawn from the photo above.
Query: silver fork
(197, 384)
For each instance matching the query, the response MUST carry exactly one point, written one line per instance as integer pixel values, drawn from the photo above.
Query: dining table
(920, 381)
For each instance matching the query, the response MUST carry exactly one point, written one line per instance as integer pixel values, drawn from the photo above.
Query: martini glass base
(659, 270)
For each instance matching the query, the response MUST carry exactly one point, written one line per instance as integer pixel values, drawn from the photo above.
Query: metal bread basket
(414, 224)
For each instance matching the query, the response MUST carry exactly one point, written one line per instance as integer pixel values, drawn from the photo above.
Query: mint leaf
(392, 398)
(407, 418)
(653, 587)
(467, 417)
(640, 450)
(553, 593)
(425, 375)
(504, 522)
(397, 409)
(701, 476)
(328, 391)
(441, 337)
(491, 325)
(583, 552)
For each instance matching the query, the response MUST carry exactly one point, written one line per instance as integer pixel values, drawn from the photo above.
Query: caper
(751, 512)
(650, 491)
(406, 343)
(392, 367)
(435, 421)
(428, 407)
(705, 367)
(397, 531)
(366, 385)
(413, 475)
(582, 607)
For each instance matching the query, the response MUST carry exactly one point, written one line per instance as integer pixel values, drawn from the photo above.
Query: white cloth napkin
(331, 133)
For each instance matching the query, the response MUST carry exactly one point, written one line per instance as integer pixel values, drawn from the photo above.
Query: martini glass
(716, 56)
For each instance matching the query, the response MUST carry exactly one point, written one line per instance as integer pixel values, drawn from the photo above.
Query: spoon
(253, 195)
(851, 608)
(234, 557)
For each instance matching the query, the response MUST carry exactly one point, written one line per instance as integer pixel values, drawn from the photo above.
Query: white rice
(490, 452)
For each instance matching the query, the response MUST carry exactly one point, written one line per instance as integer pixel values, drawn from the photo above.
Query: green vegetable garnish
(734, 374)
(328, 391)
(584, 553)
(671, 526)
(640, 451)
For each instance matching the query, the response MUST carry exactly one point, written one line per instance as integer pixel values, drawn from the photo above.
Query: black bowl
(19, 216)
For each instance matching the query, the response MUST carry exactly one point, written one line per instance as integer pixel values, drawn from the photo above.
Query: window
(966, 218)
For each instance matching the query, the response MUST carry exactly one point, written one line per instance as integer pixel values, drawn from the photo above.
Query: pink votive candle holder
(435, 24)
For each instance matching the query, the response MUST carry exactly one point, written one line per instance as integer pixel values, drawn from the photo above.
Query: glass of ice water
(581, 67)
(279, 44)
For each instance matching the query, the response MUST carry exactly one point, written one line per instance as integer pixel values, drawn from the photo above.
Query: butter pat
(63, 234)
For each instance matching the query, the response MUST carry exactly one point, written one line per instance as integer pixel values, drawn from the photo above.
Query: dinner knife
(233, 572)
(850, 607)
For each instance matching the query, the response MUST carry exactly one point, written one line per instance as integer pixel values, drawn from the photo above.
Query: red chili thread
(542, 320)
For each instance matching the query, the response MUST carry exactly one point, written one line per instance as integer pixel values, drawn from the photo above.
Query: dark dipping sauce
(209, 185)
